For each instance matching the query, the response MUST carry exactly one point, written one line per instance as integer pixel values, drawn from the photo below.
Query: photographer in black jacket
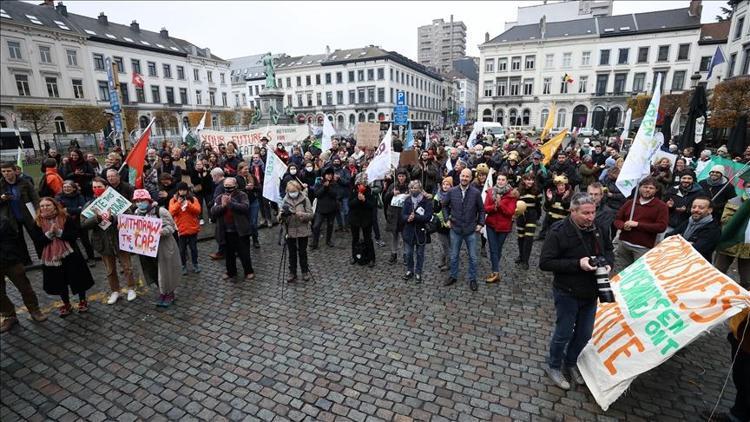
(567, 252)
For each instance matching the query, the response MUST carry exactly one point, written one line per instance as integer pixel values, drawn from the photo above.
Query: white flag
(626, 127)
(637, 164)
(699, 123)
(486, 188)
(185, 133)
(275, 169)
(381, 163)
(202, 123)
(328, 132)
(473, 136)
(675, 128)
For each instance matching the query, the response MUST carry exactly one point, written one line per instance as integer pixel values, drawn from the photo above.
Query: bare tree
(86, 119)
(40, 117)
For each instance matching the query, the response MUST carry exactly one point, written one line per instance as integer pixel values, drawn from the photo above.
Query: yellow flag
(550, 121)
(549, 147)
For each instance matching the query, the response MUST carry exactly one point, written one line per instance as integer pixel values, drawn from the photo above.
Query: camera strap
(597, 239)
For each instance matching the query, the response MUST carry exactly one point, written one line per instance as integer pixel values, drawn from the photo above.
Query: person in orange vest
(186, 211)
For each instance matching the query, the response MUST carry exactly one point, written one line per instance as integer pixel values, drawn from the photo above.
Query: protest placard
(368, 134)
(247, 139)
(665, 300)
(407, 158)
(139, 235)
(110, 201)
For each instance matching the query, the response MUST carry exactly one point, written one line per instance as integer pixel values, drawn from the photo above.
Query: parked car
(588, 131)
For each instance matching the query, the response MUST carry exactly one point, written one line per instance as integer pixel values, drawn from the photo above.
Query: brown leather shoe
(8, 323)
(37, 316)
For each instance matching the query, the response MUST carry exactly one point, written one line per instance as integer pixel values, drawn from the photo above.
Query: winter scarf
(498, 191)
(54, 252)
(694, 225)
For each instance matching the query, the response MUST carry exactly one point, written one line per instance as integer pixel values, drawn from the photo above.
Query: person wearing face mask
(295, 214)
(63, 267)
(164, 269)
(200, 178)
(361, 203)
(416, 213)
(105, 240)
(292, 173)
(231, 212)
(74, 202)
(308, 179)
(185, 210)
(500, 207)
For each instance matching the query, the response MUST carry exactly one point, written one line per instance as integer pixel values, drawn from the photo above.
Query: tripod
(283, 237)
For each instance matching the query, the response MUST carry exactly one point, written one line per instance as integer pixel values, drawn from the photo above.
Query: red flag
(137, 158)
(137, 80)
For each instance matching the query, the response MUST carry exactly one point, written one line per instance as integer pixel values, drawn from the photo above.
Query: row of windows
(51, 84)
(605, 58)
(517, 86)
(153, 71)
(15, 52)
(359, 96)
(361, 75)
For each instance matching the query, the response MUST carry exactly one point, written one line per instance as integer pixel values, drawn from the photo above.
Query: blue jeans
(471, 245)
(409, 257)
(496, 241)
(254, 210)
(573, 328)
(343, 215)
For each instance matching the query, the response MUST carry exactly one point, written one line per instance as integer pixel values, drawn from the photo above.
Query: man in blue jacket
(464, 211)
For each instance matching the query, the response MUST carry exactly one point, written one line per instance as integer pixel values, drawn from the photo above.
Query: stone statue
(274, 115)
(256, 117)
(270, 72)
(288, 111)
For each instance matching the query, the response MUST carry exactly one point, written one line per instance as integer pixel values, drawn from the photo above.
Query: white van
(9, 143)
(487, 128)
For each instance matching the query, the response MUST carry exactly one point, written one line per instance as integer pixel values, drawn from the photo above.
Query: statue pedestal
(272, 99)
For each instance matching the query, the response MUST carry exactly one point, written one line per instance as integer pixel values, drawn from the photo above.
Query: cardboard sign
(139, 235)
(665, 300)
(368, 134)
(110, 201)
(408, 157)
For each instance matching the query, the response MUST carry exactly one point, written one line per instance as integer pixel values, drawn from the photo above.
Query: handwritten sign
(139, 235)
(110, 201)
(665, 300)
(367, 134)
(247, 139)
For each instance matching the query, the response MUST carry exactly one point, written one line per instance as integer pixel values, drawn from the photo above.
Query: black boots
(393, 258)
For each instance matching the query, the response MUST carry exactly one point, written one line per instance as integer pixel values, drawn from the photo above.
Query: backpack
(44, 189)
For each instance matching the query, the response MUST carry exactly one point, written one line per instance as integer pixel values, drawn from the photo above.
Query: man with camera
(579, 254)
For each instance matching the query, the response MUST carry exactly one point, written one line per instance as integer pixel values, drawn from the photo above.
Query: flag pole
(742, 171)
(153, 119)
(635, 198)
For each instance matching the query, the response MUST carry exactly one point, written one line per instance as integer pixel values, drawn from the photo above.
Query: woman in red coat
(500, 205)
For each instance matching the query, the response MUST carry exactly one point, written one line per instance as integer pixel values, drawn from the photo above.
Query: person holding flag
(137, 158)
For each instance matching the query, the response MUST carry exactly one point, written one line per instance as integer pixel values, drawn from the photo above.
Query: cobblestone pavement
(357, 344)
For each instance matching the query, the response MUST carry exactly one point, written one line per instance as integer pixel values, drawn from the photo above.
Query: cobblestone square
(355, 344)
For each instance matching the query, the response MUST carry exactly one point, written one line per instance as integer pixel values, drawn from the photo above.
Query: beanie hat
(717, 168)
(141, 194)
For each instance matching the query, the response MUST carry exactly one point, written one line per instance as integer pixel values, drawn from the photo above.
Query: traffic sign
(401, 114)
(400, 98)
(118, 123)
(461, 115)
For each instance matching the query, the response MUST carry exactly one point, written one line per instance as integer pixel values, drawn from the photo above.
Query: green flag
(19, 158)
(731, 169)
(734, 230)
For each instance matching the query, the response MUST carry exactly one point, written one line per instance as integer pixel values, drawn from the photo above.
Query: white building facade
(606, 61)
(738, 43)
(55, 58)
(349, 86)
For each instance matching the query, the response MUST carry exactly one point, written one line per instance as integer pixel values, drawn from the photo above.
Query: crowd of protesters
(455, 192)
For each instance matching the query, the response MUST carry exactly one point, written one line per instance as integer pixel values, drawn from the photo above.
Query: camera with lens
(286, 211)
(602, 279)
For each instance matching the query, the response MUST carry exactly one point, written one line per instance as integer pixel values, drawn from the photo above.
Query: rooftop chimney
(486, 37)
(62, 9)
(134, 26)
(102, 18)
(48, 3)
(695, 8)
(164, 33)
(207, 52)
(328, 49)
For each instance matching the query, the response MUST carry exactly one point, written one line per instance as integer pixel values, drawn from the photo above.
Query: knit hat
(328, 170)
(141, 195)
(718, 169)
(483, 168)
(561, 179)
(513, 155)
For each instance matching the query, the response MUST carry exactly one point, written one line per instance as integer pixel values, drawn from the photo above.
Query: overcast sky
(234, 29)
